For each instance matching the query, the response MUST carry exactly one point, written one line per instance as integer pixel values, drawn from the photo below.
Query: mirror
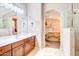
(8, 22)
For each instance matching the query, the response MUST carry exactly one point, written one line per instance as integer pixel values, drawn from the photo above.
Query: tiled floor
(52, 50)
(49, 52)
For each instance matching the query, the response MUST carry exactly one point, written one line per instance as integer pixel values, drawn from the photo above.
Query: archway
(52, 28)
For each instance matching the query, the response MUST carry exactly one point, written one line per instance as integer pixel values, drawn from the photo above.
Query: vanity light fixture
(6, 5)
(12, 7)
(15, 9)
(19, 10)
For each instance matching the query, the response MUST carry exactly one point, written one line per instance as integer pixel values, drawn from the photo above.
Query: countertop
(14, 38)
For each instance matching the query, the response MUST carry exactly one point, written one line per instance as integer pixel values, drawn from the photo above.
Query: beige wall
(54, 24)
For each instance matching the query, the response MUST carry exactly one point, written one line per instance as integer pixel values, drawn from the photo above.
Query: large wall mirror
(8, 21)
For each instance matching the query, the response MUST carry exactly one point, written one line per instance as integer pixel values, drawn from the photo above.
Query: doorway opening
(52, 29)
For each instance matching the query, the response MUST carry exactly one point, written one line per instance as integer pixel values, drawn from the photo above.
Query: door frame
(43, 27)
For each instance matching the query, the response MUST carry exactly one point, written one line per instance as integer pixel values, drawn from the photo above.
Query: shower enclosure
(75, 9)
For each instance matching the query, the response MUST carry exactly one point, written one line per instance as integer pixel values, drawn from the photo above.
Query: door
(27, 48)
(29, 44)
(18, 51)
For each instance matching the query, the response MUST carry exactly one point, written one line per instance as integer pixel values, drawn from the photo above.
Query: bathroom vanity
(14, 37)
(20, 46)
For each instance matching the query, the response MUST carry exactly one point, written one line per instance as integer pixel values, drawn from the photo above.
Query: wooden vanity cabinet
(5, 50)
(27, 48)
(32, 42)
(7, 53)
(29, 44)
(18, 48)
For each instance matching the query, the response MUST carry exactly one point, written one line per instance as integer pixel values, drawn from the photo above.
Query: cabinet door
(32, 43)
(18, 51)
(7, 53)
(29, 44)
(5, 49)
(27, 48)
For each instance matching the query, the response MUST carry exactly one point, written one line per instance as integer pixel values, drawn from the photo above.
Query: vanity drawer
(16, 44)
(5, 49)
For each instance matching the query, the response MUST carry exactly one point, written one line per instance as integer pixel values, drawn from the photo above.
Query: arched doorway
(52, 28)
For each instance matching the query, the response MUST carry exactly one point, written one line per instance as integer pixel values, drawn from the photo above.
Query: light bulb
(19, 9)
(15, 9)
(11, 7)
